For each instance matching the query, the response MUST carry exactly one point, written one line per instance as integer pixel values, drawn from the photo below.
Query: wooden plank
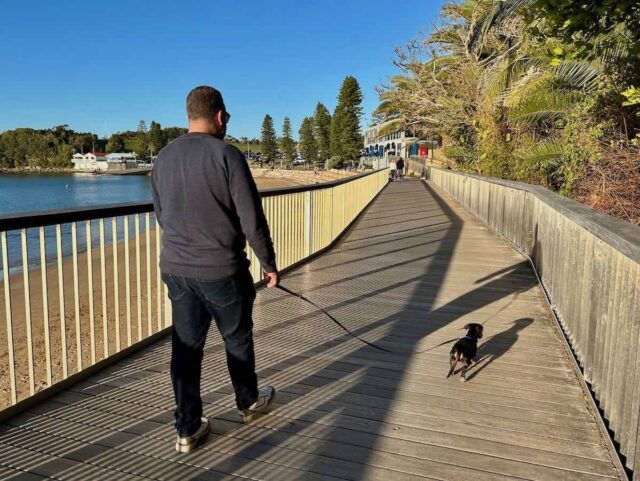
(408, 279)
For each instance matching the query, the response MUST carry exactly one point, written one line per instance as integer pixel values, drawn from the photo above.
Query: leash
(352, 334)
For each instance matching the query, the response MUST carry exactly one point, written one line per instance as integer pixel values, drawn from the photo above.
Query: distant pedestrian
(393, 169)
(207, 204)
(400, 168)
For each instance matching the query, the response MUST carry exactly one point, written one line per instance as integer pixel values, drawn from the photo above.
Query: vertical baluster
(8, 316)
(287, 227)
(158, 276)
(103, 281)
(63, 319)
(148, 241)
(116, 282)
(45, 305)
(92, 321)
(127, 282)
(76, 293)
(27, 308)
(138, 286)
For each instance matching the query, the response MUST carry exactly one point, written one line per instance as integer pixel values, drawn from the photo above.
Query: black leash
(370, 344)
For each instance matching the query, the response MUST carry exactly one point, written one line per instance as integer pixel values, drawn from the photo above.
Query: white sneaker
(266, 395)
(189, 443)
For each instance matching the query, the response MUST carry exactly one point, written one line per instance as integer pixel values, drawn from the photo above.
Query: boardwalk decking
(409, 275)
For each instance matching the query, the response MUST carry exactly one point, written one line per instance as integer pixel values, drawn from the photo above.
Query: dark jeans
(194, 303)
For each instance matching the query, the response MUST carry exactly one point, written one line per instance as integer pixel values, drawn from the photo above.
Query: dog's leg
(454, 361)
(463, 375)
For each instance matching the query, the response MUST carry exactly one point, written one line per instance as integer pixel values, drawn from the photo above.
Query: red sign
(423, 151)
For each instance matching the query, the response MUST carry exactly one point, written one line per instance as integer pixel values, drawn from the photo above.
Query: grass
(243, 147)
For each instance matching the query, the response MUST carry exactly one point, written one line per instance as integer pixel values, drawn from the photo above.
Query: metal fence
(80, 286)
(589, 264)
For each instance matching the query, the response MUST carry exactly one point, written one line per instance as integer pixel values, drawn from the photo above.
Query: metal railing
(589, 266)
(80, 286)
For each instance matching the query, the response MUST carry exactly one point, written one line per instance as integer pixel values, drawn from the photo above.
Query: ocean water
(35, 193)
(30, 193)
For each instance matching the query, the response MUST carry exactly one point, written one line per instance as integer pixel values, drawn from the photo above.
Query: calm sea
(32, 193)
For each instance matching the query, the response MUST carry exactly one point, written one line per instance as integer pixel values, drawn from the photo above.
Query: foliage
(308, 144)
(532, 90)
(172, 133)
(115, 143)
(44, 148)
(322, 131)
(269, 140)
(287, 145)
(334, 162)
(588, 30)
(346, 140)
(142, 141)
(155, 138)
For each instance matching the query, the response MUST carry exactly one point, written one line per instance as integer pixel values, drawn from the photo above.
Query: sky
(102, 66)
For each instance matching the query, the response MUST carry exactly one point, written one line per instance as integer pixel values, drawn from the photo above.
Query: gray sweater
(208, 205)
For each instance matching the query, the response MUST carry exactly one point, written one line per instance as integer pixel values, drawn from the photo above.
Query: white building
(380, 147)
(92, 161)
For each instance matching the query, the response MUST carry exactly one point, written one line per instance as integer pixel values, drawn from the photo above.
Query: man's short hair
(203, 102)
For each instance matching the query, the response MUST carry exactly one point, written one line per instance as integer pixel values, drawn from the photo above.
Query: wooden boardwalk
(409, 275)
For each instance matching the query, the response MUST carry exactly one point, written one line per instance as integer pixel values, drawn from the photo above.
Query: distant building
(91, 161)
(121, 160)
(101, 161)
(398, 143)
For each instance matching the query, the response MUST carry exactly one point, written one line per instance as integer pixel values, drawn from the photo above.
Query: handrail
(589, 266)
(624, 235)
(25, 220)
(78, 286)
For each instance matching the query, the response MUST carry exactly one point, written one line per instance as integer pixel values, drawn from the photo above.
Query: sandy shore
(128, 325)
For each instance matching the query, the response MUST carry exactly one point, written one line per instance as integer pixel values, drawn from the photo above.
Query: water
(30, 193)
(33, 193)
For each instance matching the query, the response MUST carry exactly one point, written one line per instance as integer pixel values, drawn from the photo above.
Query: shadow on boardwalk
(404, 266)
(335, 406)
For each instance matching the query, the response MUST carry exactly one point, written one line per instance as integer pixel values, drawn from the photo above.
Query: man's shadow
(498, 344)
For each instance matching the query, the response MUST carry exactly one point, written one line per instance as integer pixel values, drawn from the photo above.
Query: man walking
(208, 205)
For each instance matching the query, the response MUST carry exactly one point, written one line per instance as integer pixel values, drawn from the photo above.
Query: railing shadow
(333, 404)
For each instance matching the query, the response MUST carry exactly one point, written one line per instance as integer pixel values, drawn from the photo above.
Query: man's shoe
(188, 443)
(266, 395)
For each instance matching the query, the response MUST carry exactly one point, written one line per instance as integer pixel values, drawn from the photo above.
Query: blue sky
(103, 66)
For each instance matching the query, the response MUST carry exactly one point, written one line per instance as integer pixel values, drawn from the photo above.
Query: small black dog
(465, 349)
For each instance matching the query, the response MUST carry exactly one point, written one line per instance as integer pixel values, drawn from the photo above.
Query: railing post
(308, 224)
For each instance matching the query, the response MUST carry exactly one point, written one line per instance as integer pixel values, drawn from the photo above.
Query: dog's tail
(454, 361)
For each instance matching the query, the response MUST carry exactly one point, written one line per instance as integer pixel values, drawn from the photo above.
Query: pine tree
(269, 140)
(345, 126)
(142, 141)
(308, 145)
(287, 145)
(156, 138)
(322, 127)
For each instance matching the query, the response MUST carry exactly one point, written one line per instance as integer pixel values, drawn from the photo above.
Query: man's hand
(272, 278)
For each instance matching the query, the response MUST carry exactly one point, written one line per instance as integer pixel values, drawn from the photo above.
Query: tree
(345, 127)
(142, 141)
(269, 140)
(287, 145)
(322, 127)
(156, 138)
(308, 144)
(115, 143)
(172, 133)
